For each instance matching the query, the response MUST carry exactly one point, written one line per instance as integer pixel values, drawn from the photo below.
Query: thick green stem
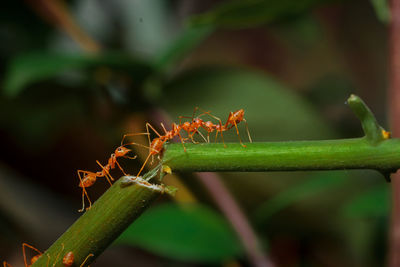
(285, 156)
(127, 199)
(95, 230)
(374, 151)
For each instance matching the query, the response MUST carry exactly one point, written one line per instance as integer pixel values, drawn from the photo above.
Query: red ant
(156, 145)
(233, 119)
(68, 259)
(89, 178)
(33, 259)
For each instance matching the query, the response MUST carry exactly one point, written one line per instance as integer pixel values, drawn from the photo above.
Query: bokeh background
(77, 75)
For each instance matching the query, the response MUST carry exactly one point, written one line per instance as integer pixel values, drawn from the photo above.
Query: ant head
(121, 151)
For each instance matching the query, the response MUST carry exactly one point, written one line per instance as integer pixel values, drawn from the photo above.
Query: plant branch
(373, 151)
(230, 208)
(95, 230)
(56, 12)
(374, 133)
(355, 153)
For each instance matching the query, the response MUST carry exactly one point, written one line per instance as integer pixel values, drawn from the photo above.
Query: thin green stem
(95, 230)
(128, 197)
(374, 151)
(355, 153)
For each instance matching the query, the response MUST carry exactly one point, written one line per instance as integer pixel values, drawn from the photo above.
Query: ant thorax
(198, 122)
(209, 126)
(186, 126)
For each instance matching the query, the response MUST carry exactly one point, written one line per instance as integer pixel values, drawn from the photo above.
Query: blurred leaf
(382, 10)
(30, 68)
(301, 33)
(317, 184)
(190, 232)
(373, 203)
(40, 122)
(179, 48)
(249, 13)
(147, 25)
(272, 111)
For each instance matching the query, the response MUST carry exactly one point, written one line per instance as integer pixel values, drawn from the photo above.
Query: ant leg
(144, 164)
(24, 252)
(165, 130)
(150, 149)
(119, 166)
(202, 136)
(237, 131)
(59, 253)
(222, 137)
(134, 143)
(106, 173)
(220, 131)
(87, 257)
(48, 260)
(227, 121)
(83, 191)
(247, 129)
(205, 112)
(220, 126)
(182, 141)
(131, 134)
(194, 111)
(148, 125)
(191, 138)
(6, 264)
(187, 117)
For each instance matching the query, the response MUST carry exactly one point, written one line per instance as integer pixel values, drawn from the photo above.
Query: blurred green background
(66, 100)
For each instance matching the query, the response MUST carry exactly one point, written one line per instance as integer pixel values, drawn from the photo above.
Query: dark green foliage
(290, 65)
(168, 229)
(254, 12)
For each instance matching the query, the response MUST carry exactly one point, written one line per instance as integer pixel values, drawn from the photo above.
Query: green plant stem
(126, 200)
(373, 151)
(372, 130)
(95, 230)
(355, 153)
